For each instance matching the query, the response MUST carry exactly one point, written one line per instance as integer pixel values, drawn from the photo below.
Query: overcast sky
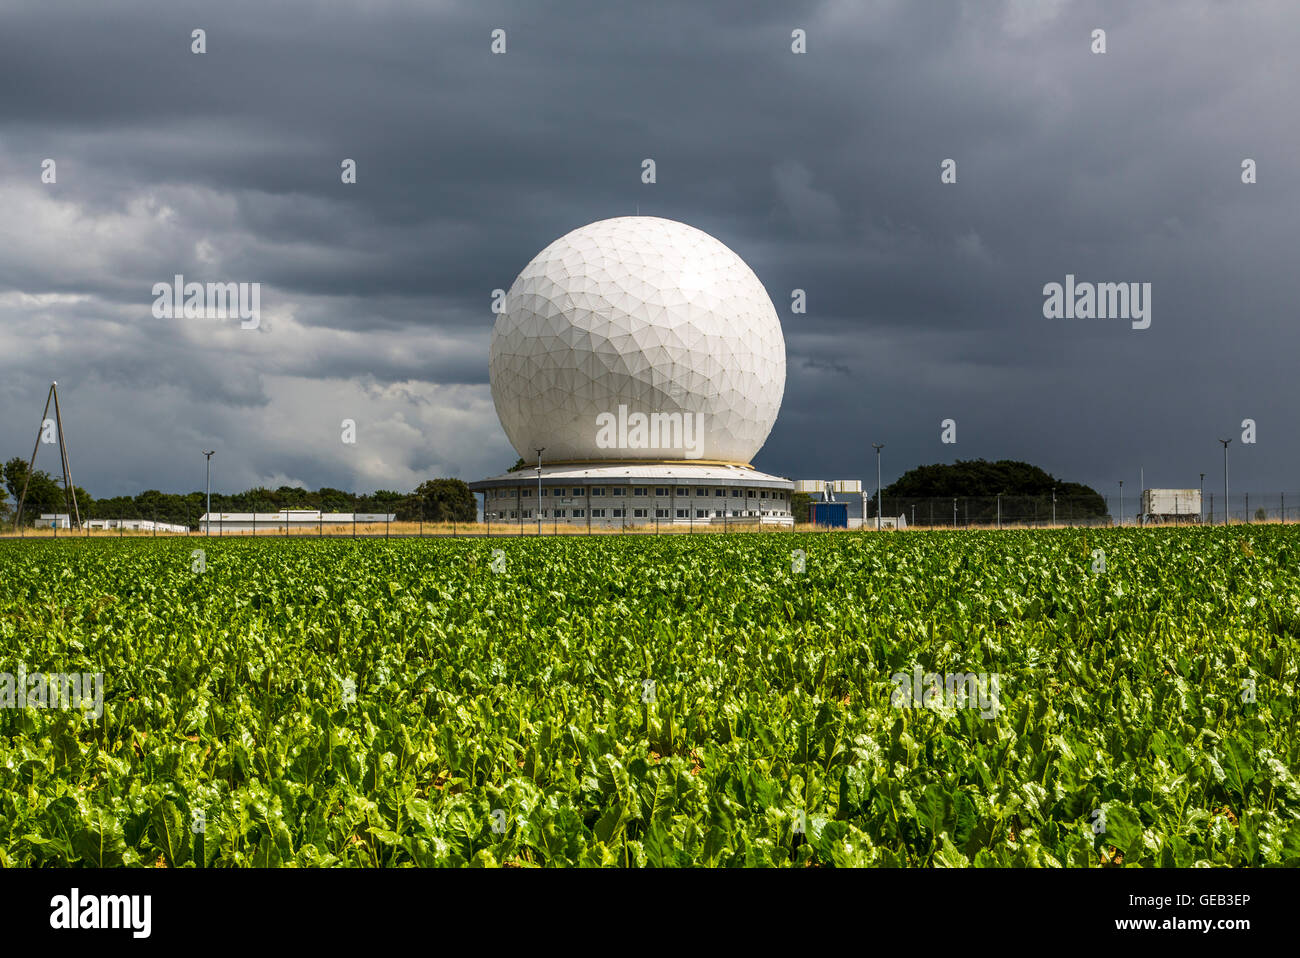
(821, 170)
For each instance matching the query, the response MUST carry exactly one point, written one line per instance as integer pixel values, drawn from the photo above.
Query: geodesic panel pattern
(644, 313)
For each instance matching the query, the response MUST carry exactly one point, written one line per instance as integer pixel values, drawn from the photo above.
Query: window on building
(661, 513)
(736, 493)
(719, 492)
(639, 491)
(763, 494)
(598, 513)
(619, 513)
(661, 490)
(701, 513)
(619, 491)
(528, 493)
(639, 513)
(683, 491)
(579, 513)
(528, 514)
(597, 490)
(559, 513)
(545, 490)
(717, 513)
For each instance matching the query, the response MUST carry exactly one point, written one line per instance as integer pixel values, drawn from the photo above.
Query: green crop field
(709, 700)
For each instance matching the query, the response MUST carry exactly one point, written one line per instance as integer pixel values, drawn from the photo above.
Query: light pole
(539, 489)
(877, 446)
(208, 460)
(954, 512)
(1121, 502)
(1203, 499)
(1225, 479)
(1053, 506)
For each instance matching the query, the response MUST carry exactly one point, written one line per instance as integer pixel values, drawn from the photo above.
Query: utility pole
(1053, 506)
(1121, 502)
(208, 461)
(1226, 510)
(1203, 499)
(954, 512)
(539, 489)
(878, 446)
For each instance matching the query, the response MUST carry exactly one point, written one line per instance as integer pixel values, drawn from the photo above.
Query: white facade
(1171, 502)
(637, 338)
(135, 525)
(50, 520)
(304, 521)
(626, 495)
(815, 487)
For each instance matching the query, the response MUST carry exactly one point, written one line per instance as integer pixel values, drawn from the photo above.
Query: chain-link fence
(1037, 512)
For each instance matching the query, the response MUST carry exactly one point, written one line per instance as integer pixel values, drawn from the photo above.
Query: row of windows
(639, 492)
(637, 513)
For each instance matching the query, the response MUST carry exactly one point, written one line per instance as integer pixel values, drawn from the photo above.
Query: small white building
(55, 520)
(289, 521)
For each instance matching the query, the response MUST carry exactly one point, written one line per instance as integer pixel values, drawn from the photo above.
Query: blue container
(833, 514)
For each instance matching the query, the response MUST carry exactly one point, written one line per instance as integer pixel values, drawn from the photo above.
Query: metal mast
(70, 498)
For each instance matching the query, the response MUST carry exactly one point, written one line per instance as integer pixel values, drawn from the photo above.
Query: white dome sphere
(649, 315)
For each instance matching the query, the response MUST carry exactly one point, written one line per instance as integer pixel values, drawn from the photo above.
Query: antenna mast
(70, 500)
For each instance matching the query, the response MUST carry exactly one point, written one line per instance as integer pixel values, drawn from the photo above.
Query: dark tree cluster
(978, 483)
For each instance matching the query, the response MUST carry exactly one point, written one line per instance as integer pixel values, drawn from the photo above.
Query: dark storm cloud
(821, 170)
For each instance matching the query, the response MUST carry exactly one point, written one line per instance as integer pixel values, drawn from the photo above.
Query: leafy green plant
(402, 703)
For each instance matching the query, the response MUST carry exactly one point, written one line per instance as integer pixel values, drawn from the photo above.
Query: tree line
(436, 500)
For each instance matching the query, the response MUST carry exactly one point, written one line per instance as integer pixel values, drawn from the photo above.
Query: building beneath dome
(643, 363)
(623, 495)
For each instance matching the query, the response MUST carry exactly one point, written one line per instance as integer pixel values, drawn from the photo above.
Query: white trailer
(1170, 506)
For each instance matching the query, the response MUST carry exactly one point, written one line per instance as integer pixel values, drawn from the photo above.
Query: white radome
(646, 314)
